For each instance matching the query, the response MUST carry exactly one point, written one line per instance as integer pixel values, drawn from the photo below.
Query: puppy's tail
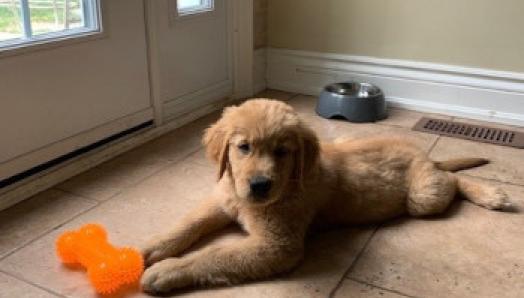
(459, 164)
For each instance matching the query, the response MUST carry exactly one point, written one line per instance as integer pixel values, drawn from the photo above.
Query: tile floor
(470, 252)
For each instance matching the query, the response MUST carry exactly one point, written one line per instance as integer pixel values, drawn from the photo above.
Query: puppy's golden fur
(347, 182)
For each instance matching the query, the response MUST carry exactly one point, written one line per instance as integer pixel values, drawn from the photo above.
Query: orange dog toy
(108, 267)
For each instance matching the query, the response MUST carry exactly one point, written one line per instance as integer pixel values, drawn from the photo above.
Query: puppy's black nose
(260, 186)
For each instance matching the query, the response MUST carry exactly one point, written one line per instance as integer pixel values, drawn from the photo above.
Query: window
(188, 7)
(24, 22)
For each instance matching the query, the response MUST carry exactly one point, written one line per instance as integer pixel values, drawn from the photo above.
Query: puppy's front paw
(156, 251)
(165, 276)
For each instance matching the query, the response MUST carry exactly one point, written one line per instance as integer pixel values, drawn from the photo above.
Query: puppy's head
(264, 148)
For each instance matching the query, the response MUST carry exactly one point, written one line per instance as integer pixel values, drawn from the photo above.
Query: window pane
(189, 7)
(10, 20)
(55, 15)
(185, 4)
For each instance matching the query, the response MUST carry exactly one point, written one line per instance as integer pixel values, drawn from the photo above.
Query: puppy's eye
(281, 152)
(244, 148)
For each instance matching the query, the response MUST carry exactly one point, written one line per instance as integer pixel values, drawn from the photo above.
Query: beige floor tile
(274, 94)
(173, 146)
(131, 218)
(353, 289)
(472, 252)
(30, 219)
(304, 104)
(152, 207)
(200, 158)
(11, 287)
(112, 177)
(507, 164)
(407, 118)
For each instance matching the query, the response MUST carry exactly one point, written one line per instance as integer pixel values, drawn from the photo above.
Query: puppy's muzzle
(260, 186)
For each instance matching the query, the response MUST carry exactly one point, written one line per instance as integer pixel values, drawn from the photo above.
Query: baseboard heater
(54, 162)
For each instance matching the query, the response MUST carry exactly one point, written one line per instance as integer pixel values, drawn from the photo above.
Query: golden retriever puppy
(276, 180)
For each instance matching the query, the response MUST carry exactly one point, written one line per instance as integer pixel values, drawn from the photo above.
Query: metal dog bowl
(356, 102)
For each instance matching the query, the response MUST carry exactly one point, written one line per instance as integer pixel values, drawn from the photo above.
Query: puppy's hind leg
(487, 196)
(430, 192)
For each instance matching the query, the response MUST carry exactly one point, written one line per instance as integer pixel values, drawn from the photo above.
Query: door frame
(242, 12)
(241, 41)
(243, 49)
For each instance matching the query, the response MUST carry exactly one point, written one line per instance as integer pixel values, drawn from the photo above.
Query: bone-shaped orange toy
(108, 267)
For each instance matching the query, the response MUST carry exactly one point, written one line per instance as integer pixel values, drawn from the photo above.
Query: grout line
(293, 96)
(433, 146)
(26, 281)
(492, 179)
(96, 205)
(125, 187)
(168, 163)
(380, 287)
(75, 194)
(50, 230)
(100, 203)
(392, 125)
(208, 163)
(353, 264)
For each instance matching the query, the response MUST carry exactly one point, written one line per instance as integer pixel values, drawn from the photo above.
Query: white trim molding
(259, 70)
(242, 48)
(153, 60)
(482, 94)
(196, 100)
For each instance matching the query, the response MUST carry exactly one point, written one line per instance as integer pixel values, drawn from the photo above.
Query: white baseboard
(482, 94)
(35, 184)
(259, 70)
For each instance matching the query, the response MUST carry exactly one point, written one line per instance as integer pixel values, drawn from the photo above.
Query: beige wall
(260, 23)
(476, 33)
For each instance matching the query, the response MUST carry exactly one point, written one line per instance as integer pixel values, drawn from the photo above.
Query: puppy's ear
(307, 155)
(216, 141)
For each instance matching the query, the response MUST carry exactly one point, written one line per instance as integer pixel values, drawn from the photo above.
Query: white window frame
(92, 25)
(204, 7)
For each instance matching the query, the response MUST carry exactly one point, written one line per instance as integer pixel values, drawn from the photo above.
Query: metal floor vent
(471, 132)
